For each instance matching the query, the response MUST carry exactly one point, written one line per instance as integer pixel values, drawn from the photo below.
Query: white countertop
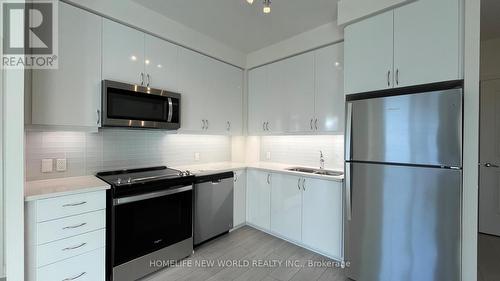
(210, 168)
(43, 189)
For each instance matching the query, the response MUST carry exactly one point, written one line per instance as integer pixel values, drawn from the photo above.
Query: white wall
(2, 203)
(112, 149)
(13, 172)
(315, 38)
(131, 13)
(353, 10)
(304, 150)
(490, 59)
(471, 140)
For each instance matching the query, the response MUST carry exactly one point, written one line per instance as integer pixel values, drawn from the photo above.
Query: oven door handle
(141, 197)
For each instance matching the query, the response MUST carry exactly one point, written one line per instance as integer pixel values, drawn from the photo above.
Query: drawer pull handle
(75, 226)
(74, 247)
(76, 277)
(75, 204)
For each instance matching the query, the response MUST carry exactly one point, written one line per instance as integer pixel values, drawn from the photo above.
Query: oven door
(135, 106)
(147, 223)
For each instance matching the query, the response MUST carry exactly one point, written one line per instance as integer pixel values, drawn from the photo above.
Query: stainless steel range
(149, 218)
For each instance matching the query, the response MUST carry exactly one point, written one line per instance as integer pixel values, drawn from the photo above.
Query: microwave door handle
(170, 109)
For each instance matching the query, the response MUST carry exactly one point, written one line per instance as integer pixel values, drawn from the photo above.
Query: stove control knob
(119, 181)
(129, 180)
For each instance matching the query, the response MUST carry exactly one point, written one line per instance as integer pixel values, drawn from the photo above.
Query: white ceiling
(242, 26)
(490, 19)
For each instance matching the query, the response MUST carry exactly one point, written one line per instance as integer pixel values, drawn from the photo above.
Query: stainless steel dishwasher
(213, 206)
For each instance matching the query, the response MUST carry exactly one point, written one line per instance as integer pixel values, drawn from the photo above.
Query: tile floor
(264, 254)
(488, 258)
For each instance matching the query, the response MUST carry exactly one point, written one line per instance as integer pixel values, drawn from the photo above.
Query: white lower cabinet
(239, 203)
(306, 211)
(87, 267)
(70, 243)
(259, 199)
(286, 206)
(322, 217)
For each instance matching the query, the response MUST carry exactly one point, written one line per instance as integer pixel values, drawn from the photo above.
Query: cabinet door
(369, 54)
(195, 85)
(71, 94)
(286, 206)
(298, 93)
(259, 199)
(258, 91)
(276, 102)
(230, 88)
(329, 95)
(322, 219)
(239, 207)
(122, 53)
(429, 51)
(161, 63)
(225, 105)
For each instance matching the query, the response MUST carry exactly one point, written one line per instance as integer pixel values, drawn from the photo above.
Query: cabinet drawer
(70, 226)
(64, 206)
(70, 247)
(86, 267)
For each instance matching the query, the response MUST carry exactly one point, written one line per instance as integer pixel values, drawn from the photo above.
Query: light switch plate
(47, 165)
(268, 155)
(61, 165)
(196, 156)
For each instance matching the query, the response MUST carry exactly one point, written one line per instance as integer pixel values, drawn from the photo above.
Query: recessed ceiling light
(267, 6)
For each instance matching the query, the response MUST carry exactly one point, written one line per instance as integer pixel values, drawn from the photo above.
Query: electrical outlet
(47, 165)
(196, 156)
(268, 155)
(61, 165)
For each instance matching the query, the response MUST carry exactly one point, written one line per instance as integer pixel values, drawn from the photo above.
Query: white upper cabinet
(322, 217)
(195, 86)
(286, 206)
(369, 54)
(427, 46)
(71, 94)
(258, 91)
(276, 101)
(229, 91)
(212, 94)
(329, 96)
(299, 92)
(123, 53)
(259, 199)
(415, 44)
(161, 64)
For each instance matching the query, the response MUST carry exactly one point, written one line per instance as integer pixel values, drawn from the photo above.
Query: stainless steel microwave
(134, 106)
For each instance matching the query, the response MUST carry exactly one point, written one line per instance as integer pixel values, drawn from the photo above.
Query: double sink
(322, 172)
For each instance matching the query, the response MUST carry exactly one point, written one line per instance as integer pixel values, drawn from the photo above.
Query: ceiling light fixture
(267, 6)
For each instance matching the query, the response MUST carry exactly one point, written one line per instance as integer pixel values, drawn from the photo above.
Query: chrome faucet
(321, 160)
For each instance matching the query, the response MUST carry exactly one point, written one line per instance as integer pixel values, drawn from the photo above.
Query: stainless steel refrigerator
(403, 180)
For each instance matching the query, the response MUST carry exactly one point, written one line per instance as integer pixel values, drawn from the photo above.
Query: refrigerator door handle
(348, 132)
(348, 200)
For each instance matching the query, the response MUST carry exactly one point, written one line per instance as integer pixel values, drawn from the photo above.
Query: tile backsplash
(304, 150)
(110, 149)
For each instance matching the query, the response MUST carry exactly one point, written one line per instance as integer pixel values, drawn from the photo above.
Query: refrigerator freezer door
(422, 129)
(405, 223)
